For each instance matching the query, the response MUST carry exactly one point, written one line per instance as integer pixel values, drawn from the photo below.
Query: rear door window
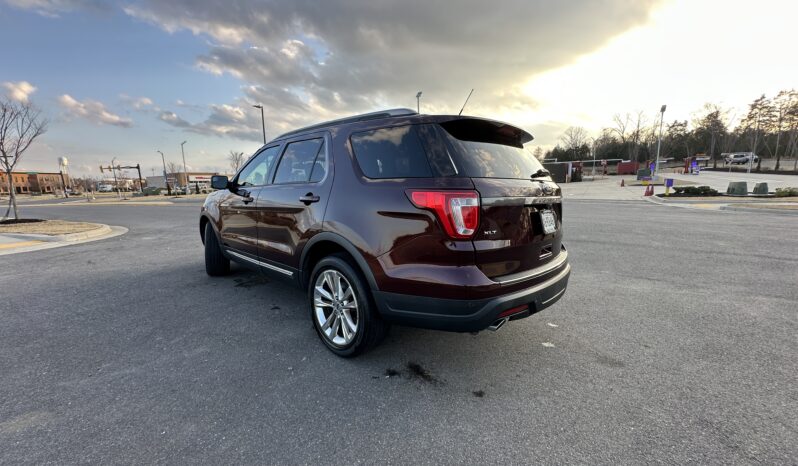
(298, 161)
(391, 153)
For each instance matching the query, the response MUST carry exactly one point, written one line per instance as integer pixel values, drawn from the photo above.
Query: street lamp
(185, 167)
(262, 121)
(659, 140)
(165, 176)
(418, 102)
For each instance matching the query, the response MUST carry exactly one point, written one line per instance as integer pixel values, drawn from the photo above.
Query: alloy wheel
(335, 307)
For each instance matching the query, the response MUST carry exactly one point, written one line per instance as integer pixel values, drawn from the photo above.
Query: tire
(216, 264)
(370, 329)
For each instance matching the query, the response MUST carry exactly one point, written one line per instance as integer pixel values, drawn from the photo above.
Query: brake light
(458, 211)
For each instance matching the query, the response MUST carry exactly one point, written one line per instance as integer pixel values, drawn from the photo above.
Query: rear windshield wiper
(541, 173)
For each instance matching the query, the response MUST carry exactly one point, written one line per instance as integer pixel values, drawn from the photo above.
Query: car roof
(401, 116)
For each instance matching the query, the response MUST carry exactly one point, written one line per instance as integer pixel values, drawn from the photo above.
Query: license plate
(549, 222)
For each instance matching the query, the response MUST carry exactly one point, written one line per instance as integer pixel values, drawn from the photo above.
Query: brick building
(34, 182)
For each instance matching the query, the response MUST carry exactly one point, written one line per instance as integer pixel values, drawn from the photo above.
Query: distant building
(34, 182)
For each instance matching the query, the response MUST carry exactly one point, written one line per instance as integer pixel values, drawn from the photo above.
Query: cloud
(55, 7)
(19, 91)
(93, 111)
(223, 121)
(307, 61)
(141, 104)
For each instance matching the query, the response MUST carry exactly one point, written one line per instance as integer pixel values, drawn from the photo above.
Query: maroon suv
(435, 221)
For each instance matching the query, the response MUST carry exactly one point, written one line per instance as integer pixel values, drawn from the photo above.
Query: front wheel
(342, 310)
(215, 263)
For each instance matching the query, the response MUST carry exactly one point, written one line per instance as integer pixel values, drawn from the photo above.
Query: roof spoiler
(484, 130)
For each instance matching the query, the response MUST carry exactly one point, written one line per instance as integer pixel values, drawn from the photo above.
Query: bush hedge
(695, 190)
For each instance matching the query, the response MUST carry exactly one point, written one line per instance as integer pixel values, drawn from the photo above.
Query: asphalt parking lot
(676, 342)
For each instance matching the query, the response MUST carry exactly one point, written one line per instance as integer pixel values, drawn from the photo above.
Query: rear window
(391, 153)
(486, 159)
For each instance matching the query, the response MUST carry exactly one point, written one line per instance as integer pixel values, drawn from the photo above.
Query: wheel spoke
(324, 294)
(335, 326)
(345, 330)
(349, 324)
(328, 322)
(321, 303)
(347, 293)
(337, 290)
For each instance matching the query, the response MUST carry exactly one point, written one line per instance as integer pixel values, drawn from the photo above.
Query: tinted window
(491, 160)
(298, 161)
(257, 171)
(320, 166)
(391, 153)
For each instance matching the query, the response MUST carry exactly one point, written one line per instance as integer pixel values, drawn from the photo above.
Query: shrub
(695, 191)
(786, 192)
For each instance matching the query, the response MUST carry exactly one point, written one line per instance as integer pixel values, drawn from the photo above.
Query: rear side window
(298, 161)
(391, 153)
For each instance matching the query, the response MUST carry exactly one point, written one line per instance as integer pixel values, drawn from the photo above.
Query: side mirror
(219, 182)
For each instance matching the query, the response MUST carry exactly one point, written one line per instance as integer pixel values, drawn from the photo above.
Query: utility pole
(165, 176)
(262, 121)
(63, 184)
(659, 141)
(418, 102)
(141, 187)
(185, 167)
(116, 183)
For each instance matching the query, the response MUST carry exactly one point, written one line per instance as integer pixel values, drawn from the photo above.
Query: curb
(69, 237)
(769, 211)
(97, 234)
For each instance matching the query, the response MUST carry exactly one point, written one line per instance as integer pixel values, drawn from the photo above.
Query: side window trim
(307, 137)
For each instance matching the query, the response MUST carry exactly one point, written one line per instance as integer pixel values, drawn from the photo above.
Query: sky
(127, 79)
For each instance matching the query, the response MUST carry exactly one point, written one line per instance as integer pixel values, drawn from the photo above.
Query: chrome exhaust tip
(498, 323)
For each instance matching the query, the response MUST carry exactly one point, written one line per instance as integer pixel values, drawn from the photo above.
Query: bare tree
(630, 130)
(574, 139)
(538, 153)
(20, 124)
(710, 123)
(784, 112)
(236, 160)
(759, 112)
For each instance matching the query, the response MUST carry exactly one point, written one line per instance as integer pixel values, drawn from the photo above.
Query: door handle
(247, 200)
(309, 198)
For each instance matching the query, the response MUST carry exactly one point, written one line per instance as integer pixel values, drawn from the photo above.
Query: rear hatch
(520, 229)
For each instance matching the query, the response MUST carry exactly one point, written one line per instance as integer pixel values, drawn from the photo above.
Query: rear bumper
(460, 315)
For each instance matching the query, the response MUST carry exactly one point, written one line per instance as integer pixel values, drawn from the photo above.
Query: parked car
(739, 158)
(434, 221)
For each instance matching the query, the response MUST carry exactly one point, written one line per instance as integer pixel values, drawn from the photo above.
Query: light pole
(262, 121)
(418, 102)
(659, 141)
(165, 176)
(185, 167)
(116, 183)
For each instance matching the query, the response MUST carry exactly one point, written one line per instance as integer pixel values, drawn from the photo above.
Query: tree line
(769, 128)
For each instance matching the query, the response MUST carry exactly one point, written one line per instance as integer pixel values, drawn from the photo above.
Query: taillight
(458, 211)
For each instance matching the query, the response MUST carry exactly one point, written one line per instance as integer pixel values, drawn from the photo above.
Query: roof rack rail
(394, 112)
